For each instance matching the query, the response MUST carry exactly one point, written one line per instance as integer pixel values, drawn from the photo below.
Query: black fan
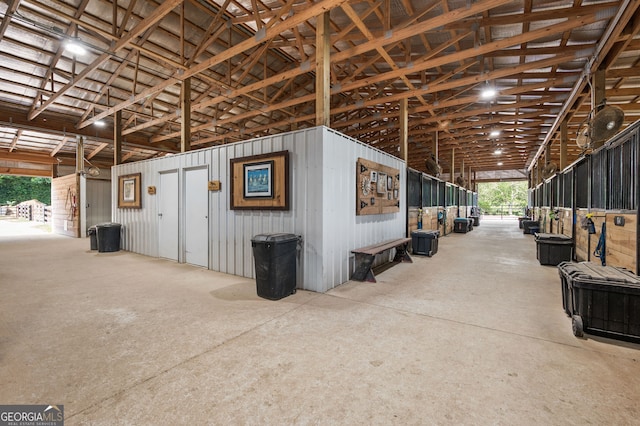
(549, 170)
(433, 168)
(606, 123)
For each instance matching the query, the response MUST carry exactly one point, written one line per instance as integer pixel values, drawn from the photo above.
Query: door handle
(160, 215)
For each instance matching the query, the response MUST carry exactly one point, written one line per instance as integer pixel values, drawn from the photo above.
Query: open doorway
(25, 205)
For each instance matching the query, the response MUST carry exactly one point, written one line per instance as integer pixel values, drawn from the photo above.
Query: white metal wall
(322, 199)
(343, 231)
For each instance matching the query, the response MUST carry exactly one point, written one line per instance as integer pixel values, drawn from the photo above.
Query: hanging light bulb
(488, 93)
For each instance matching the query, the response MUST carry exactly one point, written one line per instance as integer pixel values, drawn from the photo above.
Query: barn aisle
(473, 335)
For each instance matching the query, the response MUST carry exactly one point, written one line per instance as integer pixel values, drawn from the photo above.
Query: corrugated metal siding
(322, 199)
(343, 231)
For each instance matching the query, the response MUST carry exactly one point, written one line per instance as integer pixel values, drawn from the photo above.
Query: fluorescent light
(500, 163)
(489, 93)
(75, 47)
(100, 123)
(494, 133)
(497, 151)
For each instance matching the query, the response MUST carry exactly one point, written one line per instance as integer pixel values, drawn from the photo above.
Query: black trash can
(476, 220)
(93, 237)
(551, 249)
(108, 237)
(522, 218)
(424, 242)
(275, 261)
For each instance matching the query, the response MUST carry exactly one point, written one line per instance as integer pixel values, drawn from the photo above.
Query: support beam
(564, 139)
(598, 90)
(185, 110)
(452, 177)
(404, 129)
(323, 70)
(79, 154)
(117, 138)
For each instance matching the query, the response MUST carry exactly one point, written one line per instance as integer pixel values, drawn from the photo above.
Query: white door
(168, 215)
(196, 217)
(98, 201)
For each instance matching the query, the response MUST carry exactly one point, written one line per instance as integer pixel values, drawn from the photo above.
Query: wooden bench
(366, 255)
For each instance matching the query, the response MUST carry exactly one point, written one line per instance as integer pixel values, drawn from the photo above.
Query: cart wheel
(294, 291)
(576, 324)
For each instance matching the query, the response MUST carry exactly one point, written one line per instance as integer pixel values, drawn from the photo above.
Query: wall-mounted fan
(604, 125)
(92, 171)
(433, 168)
(549, 170)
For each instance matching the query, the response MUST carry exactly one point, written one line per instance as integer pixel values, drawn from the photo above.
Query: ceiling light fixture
(75, 47)
(100, 123)
(500, 163)
(497, 151)
(494, 133)
(488, 93)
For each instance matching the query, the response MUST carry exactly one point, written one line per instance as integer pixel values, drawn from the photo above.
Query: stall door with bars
(196, 206)
(168, 215)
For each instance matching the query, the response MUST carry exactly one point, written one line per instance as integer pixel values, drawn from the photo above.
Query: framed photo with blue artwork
(260, 182)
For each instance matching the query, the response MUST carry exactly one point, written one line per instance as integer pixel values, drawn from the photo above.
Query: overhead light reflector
(488, 93)
(73, 46)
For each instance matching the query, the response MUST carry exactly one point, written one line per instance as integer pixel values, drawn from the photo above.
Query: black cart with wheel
(601, 300)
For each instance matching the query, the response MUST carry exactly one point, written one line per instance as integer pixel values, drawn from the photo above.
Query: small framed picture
(389, 182)
(372, 201)
(381, 186)
(395, 194)
(129, 192)
(388, 195)
(374, 176)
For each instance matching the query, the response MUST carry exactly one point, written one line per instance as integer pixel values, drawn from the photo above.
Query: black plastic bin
(461, 225)
(108, 237)
(601, 300)
(527, 224)
(93, 237)
(551, 249)
(522, 218)
(476, 220)
(275, 261)
(424, 242)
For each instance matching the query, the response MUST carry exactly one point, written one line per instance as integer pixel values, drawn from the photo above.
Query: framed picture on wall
(258, 180)
(129, 191)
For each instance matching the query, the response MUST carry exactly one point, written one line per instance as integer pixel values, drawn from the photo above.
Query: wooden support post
(564, 139)
(598, 84)
(435, 144)
(79, 154)
(452, 177)
(323, 70)
(185, 111)
(404, 129)
(117, 138)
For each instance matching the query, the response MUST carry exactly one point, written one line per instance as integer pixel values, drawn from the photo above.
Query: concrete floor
(474, 335)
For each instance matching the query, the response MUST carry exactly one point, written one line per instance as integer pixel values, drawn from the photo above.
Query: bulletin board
(377, 188)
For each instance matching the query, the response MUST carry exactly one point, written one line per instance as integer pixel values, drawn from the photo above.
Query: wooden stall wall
(621, 241)
(65, 202)
(565, 222)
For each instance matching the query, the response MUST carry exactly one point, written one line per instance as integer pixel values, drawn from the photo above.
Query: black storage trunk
(602, 300)
(527, 224)
(552, 249)
(93, 237)
(522, 218)
(275, 261)
(476, 220)
(108, 237)
(424, 242)
(461, 225)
